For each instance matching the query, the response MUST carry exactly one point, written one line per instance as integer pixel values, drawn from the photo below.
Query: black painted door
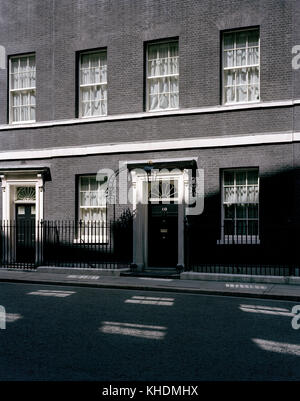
(25, 233)
(163, 235)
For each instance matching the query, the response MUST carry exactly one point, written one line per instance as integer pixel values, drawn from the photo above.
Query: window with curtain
(92, 225)
(162, 76)
(240, 194)
(93, 84)
(92, 199)
(22, 88)
(241, 72)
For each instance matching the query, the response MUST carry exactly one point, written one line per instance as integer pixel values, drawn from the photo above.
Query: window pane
(252, 177)
(174, 100)
(95, 60)
(163, 101)
(86, 109)
(163, 50)
(32, 113)
(228, 177)
(153, 102)
(103, 107)
(241, 93)
(229, 58)
(23, 64)
(241, 212)
(229, 212)
(84, 199)
(253, 93)
(241, 57)
(85, 61)
(84, 184)
(241, 77)
(229, 94)
(85, 94)
(253, 211)
(253, 227)
(16, 99)
(103, 74)
(152, 52)
(228, 227)
(163, 85)
(173, 49)
(25, 113)
(228, 40)
(14, 65)
(229, 78)
(16, 114)
(253, 75)
(241, 39)
(32, 98)
(253, 55)
(241, 227)
(93, 184)
(253, 38)
(241, 177)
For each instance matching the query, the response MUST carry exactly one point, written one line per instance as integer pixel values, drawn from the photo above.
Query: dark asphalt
(74, 333)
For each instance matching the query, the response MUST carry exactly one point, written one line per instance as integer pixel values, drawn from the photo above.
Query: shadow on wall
(278, 228)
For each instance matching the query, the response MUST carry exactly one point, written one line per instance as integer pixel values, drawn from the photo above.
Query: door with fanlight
(163, 223)
(25, 233)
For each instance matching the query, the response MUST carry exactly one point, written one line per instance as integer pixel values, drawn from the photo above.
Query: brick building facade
(226, 104)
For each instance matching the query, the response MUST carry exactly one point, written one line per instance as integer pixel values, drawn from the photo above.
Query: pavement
(287, 292)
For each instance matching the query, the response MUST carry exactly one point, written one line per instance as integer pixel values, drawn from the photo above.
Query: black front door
(25, 233)
(163, 235)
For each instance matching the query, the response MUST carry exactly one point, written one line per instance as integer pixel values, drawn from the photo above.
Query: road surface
(75, 333)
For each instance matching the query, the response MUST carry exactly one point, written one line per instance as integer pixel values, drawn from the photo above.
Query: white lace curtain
(241, 66)
(92, 199)
(163, 76)
(93, 84)
(22, 88)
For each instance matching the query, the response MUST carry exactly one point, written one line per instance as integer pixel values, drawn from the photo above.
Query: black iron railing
(270, 251)
(28, 244)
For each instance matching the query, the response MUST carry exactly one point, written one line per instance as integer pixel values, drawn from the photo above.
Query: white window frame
(102, 224)
(247, 67)
(161, 42)
(246, 239)
(80, 103)
(27, 90)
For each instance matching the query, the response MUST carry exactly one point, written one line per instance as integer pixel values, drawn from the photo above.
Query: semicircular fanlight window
(25, 193)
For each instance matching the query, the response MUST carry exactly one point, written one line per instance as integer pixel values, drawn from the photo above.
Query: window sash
(92, 200)
(22, 89)
(162, 75)
(242, 221)
(249, 90)
(93, 84)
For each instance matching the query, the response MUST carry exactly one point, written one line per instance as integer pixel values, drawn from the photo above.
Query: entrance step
(155, 272)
